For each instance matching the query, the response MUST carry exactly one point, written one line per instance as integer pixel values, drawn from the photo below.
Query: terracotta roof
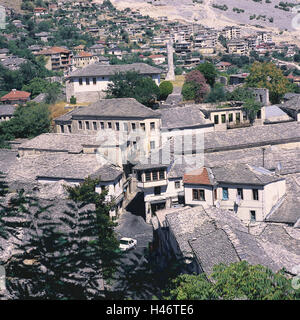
(198, 176)
(16, 95)
(54, 50)
(84, 54)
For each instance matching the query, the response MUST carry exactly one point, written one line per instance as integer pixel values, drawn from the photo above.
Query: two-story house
(250, 192)
(89, 84)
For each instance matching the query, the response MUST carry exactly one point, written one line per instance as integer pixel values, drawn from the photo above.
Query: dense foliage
(133, 85)
(29, 121)
(267, 75)
(165, 88)
(237, 281)
(195, 86)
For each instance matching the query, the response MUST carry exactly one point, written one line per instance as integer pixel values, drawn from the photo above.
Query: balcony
(152, 184)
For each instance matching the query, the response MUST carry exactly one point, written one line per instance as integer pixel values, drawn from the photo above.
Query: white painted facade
(268, 196)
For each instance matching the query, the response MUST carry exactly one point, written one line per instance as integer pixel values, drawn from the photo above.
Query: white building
(250, 192)
(89, 83)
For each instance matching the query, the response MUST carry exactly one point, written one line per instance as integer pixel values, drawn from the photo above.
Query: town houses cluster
(213, 181)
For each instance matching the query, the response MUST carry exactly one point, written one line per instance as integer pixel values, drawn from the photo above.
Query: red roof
(154, 56)
(40, 9)
(198, 176)
(54, 50)
(85, 54)
(16, 95)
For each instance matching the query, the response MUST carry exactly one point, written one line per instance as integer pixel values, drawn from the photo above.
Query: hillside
(264, 15)
(14, 4)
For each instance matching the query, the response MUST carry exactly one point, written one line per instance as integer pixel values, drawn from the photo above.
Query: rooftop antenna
(263, 151)
(279, 167)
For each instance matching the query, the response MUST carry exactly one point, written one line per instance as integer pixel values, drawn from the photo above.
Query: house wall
(92, 92)
(268, 196)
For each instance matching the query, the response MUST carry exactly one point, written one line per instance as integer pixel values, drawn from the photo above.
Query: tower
(171, 73)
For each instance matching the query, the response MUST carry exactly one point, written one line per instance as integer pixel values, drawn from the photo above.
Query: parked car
(127, 244)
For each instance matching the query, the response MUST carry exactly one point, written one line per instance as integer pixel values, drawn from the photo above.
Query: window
(109, 125)
(161, 174)
(152, 125)
(238, 117)
(258, 115)
(87, 125)
(252, 215)
(133, 126)
(102, 125)
(225, 193)
(152, 145)
(143, 127)
(240, 193)
(157, 190)
(69, 128)
(134, 145)
(230, 117)
(155, 175)
(255, 194)
(80, 125)
(223, 118)
(62, 129)
(117, 126)
(87, 81)
(94, 80)
(198, 195)
(177, 184)
(216, 194)
(148, 176)
(95, 125)
(80, 81)
(216, 117)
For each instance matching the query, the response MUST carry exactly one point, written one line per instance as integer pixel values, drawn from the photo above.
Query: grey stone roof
(59, 142)
(7, 110)
(54, 166)
(40, 98)
(183, 117)
(292, 104)
(7, 159)
(107, 173)
(98, 69)
(274, 113)
(212, 249)
(116, 109)
(289, 211)
(244, 174)
(252, 136)
(216, 236)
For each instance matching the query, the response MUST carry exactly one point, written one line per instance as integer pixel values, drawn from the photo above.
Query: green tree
(267, 75)
(133, 85)
(195, 86)
(239, 280)
(209, 71)
(64, 256)
(29, 121)
(252, 107)
(165, 88)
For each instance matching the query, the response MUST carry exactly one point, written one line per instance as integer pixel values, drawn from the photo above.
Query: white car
(127, 244)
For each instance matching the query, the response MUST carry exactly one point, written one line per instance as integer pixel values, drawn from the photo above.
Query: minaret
(171, 73)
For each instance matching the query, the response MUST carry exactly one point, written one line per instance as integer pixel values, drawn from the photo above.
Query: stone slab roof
(183, 117)
(98, 69)
(53, 166)
(7, 110)
(216, 236)
(59, 142)
(116, 108)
